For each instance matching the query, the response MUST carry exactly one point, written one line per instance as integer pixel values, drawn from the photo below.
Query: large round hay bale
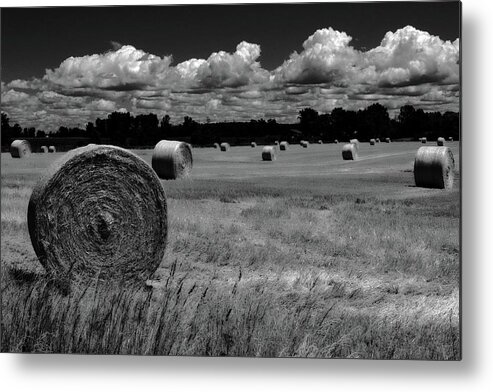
(423, 140)
(284, 146)
(172, 159)
(99, 211)
(440, 141)
(372, 142)
(349, 151)
(387, 140)
(253, 144)
(268, 153)
(51, 149)
(434, 167)
(225, 146)
(44, 149)
(304, 144)
(216, 145)
(20, 149)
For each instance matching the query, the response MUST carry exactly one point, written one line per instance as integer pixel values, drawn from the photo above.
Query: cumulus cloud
(409, 66)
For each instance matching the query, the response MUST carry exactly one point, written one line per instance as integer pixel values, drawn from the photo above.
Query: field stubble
(330, 259)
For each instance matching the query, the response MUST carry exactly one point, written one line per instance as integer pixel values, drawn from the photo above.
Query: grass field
(306, 256)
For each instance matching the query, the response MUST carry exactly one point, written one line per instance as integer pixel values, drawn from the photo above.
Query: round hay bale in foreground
(350, 152)
(440, 141)
(51, 149)
(20, 149)
(372, 142)
(268, 153)
(225, 146)
(423, 140)
(387, 140)
(216, 145)
(253, 144)
(44, 149)
(99, 211)
(434, 167)
(284, 146)
(172, 159)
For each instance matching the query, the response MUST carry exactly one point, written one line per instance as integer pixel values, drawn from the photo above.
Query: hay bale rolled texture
(304, 144)
(440, 141)
(44, 149)
(372, 142)
(387, 140)
(377, 140)
(354, 141)
(434, 167)
(172, 159)
(284, 146)
(268, 153)
(225, 146)
(20, 149)
(349, 151)
(253, 144)
(216, 145)
(99, 211)
(423, 140)
(51, 149)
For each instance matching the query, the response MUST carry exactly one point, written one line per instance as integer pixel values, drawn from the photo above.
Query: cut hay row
(20, 149)
(434, 168)
(172, 159)
(349, 152)
(51, 149)
(440, 141)
(284, 146)
(269, 153)
(99, 211)
(44, 149)
(372, 142)
(225, 146)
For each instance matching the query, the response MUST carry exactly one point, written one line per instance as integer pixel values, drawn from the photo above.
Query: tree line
(123, 129)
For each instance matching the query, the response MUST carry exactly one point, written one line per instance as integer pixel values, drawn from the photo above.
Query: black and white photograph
(232, 180)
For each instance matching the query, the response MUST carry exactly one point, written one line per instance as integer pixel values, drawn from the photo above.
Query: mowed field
(306, 256)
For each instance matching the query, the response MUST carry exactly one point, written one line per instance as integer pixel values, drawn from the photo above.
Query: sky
(67, 66)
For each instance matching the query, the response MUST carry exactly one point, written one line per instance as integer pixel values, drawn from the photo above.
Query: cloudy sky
(67, 66)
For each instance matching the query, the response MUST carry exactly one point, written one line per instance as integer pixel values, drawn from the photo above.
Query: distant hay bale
(387, 140)
(99, 211)
(434, 168)
(216, 145)
(276, 142)
(225, 146)
(423, 140)
(440, 141)
(350, 152)
(336, 141)
(51, 149)
(320, 142)
(284, 146)
(304, 144)
(253, 144)
(172, 159)
(20, 149)
(377, 140)
(269, 153)
(450, 139)
(44, 149)
(372, 142)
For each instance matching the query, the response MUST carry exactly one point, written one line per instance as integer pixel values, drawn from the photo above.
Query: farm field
(306, 256)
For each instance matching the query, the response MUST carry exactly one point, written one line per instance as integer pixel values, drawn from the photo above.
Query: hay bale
(350, 152)
(434, 167)
(450, 139)
(216, 145)
(20, 149)
(423, 140)
(51, 149)
(225, 146)
(336, 141)
(284, 146)
(44, 149)
(354, 141)
(276, 142)
(387, 140)
(372, 142)
(377, 140)
(253, 144)
(440, 141)
(304, 144)
(320, 142)
(269, 153)
(99, 211)
(172, 159)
